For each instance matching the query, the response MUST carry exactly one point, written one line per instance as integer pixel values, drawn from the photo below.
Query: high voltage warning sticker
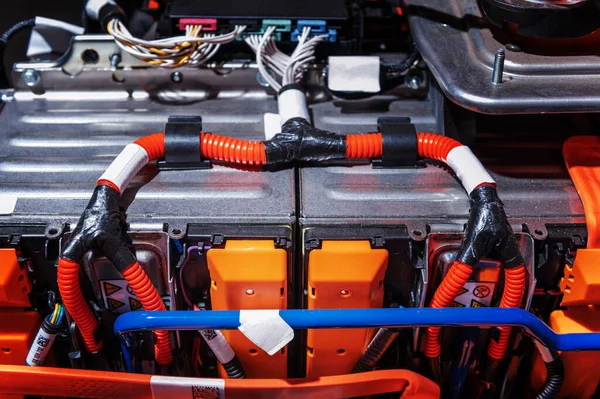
(475, 294)
(118, 296)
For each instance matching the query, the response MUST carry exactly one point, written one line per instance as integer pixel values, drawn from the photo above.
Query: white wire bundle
(192, 49)
(270, 60)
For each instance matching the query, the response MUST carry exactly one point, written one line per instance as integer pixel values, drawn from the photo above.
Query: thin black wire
(6, 36)
(399, 67)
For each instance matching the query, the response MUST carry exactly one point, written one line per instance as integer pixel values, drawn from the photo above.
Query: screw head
(514, 47)
(261, 80)
(413, 82)
(177, 77)
(115, 60)
(31, 77)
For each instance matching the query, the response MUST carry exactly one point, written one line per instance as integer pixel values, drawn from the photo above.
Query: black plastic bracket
(182, 144)
(399, 138)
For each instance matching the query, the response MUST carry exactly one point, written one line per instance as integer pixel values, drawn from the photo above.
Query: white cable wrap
(92, 8)
(468, 168)
(53, 23)
(266, 329)
(181, 387)
(125, 166)
(39, 348)
(292, 104)
(219, 345)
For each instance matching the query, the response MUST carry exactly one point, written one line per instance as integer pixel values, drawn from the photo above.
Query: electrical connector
(315, 25)
(281, 25)
(208, 24)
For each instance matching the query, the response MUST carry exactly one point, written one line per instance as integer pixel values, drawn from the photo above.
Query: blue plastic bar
(361, 318)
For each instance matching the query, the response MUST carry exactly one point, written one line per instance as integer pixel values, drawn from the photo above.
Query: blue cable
(365, 318)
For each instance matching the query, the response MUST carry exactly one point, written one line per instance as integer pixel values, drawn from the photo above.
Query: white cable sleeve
(468, 168)
(292, 104)
(39, 348)
(54, 23)
(125, 166)
(219, 345)
(92, 8)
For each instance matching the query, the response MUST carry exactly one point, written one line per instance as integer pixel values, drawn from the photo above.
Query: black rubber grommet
(182, 144)
(399, 137)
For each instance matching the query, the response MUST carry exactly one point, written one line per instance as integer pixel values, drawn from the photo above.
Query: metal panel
(54, 147)
(459, 46)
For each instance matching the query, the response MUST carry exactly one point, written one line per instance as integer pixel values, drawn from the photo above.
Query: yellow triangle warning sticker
(456, 305)
(110, 288)
(475, 304)
(462, 291)
(113, 304)
(134, 304)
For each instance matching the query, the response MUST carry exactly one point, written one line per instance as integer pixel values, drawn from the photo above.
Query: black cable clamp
(399, 137)
(182, 144)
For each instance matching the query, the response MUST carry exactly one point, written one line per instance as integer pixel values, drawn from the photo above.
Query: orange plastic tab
(581, 283)
(582, 157)
(582, 375)
(17, 331)
(342, 274)
(110, 385)
(14, 284)
(249, 274)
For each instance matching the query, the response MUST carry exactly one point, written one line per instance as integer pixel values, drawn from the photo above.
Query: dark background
(18, 10)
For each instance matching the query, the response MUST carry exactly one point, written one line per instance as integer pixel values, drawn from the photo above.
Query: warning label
(475, 294)
(118, 296)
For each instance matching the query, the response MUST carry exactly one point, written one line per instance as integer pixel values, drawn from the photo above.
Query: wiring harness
(102, 227)
(274, 65)
(193, 49)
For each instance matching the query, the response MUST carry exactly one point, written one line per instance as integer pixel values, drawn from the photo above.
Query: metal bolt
(498, 67)
(345, 292)
(249, 292)
(115, 60)
(514, 47)
(31, 77)
(414, 82)
(177, 77)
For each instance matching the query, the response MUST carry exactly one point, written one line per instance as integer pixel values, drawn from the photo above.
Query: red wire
(514, 289)
(451, 285)
(150, 300)
(370, 145)
(70, 292)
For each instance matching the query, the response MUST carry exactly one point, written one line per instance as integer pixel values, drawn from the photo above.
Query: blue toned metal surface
(361, 318)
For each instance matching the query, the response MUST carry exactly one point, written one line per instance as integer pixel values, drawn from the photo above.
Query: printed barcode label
(200, 392)
(186, 388)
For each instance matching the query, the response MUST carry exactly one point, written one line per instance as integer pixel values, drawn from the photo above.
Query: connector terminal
(208, 24)
(332, 35)
(282, 25)
(315, 25)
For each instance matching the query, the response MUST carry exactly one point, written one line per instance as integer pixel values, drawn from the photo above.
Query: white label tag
(119, 297)
(475, 294)
(266, 329)
(354, 73)
(8, 204)
(187, 388)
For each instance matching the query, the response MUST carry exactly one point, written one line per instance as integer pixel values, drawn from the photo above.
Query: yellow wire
(54, 314)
